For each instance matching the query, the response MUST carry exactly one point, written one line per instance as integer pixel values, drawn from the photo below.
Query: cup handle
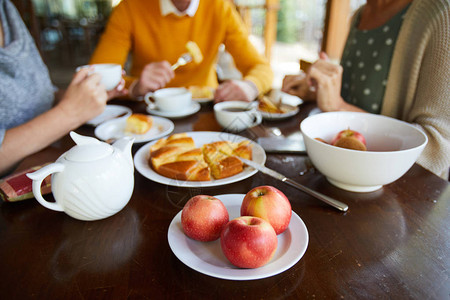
(258, 118)
(38, 177)
(148, 101)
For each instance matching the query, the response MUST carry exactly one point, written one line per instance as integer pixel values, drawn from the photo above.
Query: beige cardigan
(418, 88)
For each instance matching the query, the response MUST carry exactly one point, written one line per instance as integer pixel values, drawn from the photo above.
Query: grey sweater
(25, 86)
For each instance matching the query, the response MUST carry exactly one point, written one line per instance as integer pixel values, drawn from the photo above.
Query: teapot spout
(83, 140)
(124, 145)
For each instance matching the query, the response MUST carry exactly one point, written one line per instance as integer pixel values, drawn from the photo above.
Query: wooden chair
(271, 8)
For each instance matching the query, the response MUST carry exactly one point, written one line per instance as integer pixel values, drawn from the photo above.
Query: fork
(184, 59)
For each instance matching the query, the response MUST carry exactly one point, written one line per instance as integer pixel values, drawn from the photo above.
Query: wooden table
(392, 243)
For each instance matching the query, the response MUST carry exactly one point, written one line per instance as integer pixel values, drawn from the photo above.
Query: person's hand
(119, 90)
(297, 85)
(241, 90)
(154, 76)
(85, 98)
(326, 77)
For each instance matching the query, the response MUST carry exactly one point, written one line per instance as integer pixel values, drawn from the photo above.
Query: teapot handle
(38, 177)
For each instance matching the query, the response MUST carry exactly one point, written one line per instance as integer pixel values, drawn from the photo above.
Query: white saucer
(279, 116)
(115, 129)
(111, 111)
(192, 109)
(202, 100)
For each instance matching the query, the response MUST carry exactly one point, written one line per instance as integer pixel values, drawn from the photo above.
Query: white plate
(110, 112)
(207, 257)
(192, 109)
(200, 137)
(285, 97)
(115, 129)
(202, 100)
(275, 116)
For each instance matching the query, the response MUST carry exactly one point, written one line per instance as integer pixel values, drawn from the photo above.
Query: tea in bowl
(393, 146)
(237, 116)
(169, 99)
(111, 74)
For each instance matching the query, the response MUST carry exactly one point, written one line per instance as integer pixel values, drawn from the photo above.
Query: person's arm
(256, 70)
(430, 108)
(115, 42)
(326, 78)
(154, 76)
(84, 99)
(298, 86)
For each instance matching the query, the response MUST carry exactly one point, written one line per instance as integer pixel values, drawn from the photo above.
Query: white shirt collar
(167, 7)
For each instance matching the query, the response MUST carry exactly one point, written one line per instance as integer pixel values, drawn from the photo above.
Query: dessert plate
(290, 102)
(202, 100)
(111, 111)
(115, 129)
(207, 258)
(200, 95)
(280, 116)
(200, 137)
(286, 98)
(192, 109)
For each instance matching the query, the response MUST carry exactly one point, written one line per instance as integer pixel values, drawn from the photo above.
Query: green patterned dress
(366, 60)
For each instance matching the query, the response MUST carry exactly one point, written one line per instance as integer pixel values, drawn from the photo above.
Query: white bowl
(393, 147)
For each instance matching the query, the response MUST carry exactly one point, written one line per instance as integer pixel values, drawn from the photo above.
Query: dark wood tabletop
(392, 243)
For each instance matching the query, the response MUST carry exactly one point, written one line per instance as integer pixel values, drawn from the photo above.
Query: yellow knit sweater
(137, 26)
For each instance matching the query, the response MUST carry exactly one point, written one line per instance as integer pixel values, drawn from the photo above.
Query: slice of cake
(138, 123)
(221, 164)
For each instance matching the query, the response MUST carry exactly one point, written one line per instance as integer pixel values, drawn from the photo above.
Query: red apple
(203, 218)
(270, 204)
(248, 242)
(348, 133)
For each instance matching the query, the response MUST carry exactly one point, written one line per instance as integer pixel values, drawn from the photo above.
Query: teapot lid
(89, 152)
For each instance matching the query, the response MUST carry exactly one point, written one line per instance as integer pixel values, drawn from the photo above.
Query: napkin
(18, 186)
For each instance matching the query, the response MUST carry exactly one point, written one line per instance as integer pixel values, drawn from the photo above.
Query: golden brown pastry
(201, 92)
(177, 157)
(221, 165)
(138, 123)
(266, 105)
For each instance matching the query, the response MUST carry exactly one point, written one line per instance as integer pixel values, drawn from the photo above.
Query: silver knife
(335, 203)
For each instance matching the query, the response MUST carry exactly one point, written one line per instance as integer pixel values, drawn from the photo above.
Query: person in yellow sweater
(155, 33)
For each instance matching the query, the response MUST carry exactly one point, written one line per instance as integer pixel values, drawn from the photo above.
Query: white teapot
(91, 181)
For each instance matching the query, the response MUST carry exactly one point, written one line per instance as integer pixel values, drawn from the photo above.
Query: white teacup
(236, 116)
(169, 99)
(111, 74)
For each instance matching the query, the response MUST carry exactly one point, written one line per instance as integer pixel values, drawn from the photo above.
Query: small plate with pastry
(198, 159)
(202, 94)
(271, 110)
(142, 127)
(111, 112)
